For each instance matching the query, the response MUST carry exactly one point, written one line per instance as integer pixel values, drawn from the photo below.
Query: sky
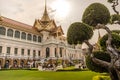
(26, 11)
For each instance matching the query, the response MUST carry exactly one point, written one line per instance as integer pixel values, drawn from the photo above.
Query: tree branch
(110, 49)
(90, 49)
(109, 41)
(115, 3)
(94, 59)
(101, 62)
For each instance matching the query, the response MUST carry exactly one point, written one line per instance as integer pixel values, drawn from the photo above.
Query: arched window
(17, 34)
(47, 52)
(23, 36)
(39, 39)
(34, 38)
(60, 52)
(10, 32)
(39, 53)
(56, 52)
(29, 37)
(2, 31)
(0, 49)
(34, 53)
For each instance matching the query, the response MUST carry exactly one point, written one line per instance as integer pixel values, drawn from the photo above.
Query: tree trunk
(114, 74)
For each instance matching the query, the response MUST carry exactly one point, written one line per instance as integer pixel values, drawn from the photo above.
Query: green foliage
(99, 55)
(116, 31)
(78, 32)
(99, 77)
(110, 1)
(115, 41)
(114, 18)
(96, 13)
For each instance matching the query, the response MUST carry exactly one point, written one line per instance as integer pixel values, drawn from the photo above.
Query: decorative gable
(37, 25)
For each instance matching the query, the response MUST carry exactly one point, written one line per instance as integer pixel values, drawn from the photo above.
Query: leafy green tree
(115, 19)
(78, 32)
(115, 41)
(96, 13)
(97, 16)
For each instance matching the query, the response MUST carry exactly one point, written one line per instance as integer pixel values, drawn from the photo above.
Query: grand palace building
(20, 43)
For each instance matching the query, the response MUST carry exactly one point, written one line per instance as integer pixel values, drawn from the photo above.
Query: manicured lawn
(38, 75)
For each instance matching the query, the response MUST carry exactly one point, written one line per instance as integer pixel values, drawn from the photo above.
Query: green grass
(46, 75)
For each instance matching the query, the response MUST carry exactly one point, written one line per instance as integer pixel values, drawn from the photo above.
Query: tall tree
(98, 16)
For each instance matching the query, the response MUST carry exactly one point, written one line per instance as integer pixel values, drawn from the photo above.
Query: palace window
(28, 52)
(23, 36)
(29, 37)
(34, 53)
(8, 50)
(22, 51)
(16, 51)
(47, 52)
(17, 34)
(10, 32)
(0, 49)
(60, 52)
(39, 39)
(39, 53)
(34, 38)
(2, 31)
(56, 52)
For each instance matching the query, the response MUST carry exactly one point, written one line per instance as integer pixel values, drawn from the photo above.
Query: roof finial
(45, 3)
(45, 16)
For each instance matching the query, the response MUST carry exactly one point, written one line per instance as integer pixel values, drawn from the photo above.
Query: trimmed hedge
(68, 70)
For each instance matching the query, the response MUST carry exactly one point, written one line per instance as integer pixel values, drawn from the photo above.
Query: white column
(6, 32)
(43, 52)
(25, 52)
(58, 52)
(4, 49)
(52, 52)
(67, 53)
(13, 33)
(19, 52)
(31, 53)
(36, 53)
(12, 51)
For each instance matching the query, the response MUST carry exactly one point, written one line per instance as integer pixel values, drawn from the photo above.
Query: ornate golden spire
(45, 16)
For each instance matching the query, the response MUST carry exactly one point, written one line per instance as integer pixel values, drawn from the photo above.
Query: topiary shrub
(78, 32)
(115, 41)
(96, 13)
(93, 66)
(115, 18)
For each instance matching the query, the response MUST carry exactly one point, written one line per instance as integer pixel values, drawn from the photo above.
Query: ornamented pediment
(37, 25)
(59, 30)
(51, 26)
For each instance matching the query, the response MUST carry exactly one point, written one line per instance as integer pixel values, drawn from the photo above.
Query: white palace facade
(20, 43)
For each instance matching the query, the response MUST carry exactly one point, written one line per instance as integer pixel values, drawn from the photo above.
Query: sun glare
(61, 8)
